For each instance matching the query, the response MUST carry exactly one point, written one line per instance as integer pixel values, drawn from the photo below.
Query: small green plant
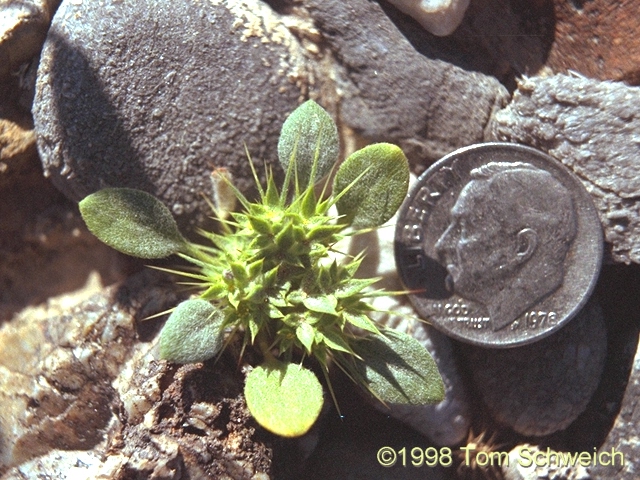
(271, 276)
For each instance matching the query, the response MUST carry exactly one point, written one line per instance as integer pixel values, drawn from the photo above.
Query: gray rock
(152, 96)
(520, 466)
(624, 437)
(82, 395)
(56, 368)
(592, 127)
(541, 388)
(390, 92)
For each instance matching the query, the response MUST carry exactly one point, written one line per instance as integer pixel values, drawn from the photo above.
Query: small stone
(17, 147)
(540, 388)
(554, 465)
(23, 28)
(140, 95)
(594, 129)
(440, 17)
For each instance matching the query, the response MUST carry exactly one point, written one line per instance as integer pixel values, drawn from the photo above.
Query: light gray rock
(390, 92)
(593, 128)
(23, 27)
(540, 388)
(82, 395)
(57, 365)
(152, 95)
(521, 465)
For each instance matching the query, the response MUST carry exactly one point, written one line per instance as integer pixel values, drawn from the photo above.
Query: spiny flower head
(271, 276)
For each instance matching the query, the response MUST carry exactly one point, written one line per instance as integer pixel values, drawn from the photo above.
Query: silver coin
(499, 244)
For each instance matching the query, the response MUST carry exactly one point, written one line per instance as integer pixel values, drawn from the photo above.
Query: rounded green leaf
(397, 369)
(193, 333)
(311, 134)
(285, 398)
(371, 184)
(133, 222)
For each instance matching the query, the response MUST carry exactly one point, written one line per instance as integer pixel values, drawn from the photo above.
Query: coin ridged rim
(589, 229)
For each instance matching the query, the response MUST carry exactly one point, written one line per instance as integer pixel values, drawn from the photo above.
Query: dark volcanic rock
(541, 388)
(152, 95)
(393, 93)
(624, 436)
(592, 127)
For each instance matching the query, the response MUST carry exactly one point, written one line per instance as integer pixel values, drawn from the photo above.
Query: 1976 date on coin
(499, 243)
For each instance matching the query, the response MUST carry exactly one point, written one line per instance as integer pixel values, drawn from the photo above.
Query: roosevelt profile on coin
(509, 233)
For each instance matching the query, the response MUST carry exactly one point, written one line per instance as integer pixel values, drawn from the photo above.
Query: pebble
(440, 17)
(375, 62)
(23, 27)
(150, 96)
(540, 388)
(594, 129)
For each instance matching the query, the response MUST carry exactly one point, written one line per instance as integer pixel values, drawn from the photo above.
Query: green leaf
(334, 340)
(353, 286)
(284, 238)
(133, 222)
(306, 335)
(397, 369)
(322, 232)
(295, 297)
(260, 224)
(310, 135)
(373, 198)
(193, 333)
(284, 398)
(322, 304)
(361, 321)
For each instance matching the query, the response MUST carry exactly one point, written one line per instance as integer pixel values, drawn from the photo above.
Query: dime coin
(499, 244)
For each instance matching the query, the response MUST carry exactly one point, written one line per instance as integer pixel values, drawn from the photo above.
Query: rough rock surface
(597, 38)
(390, 92)
(624, 435)
(45, 249)
(514, 469)
(152, 96)
(593, 128)
(23, 27)
(541, 388)
(87, 379)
